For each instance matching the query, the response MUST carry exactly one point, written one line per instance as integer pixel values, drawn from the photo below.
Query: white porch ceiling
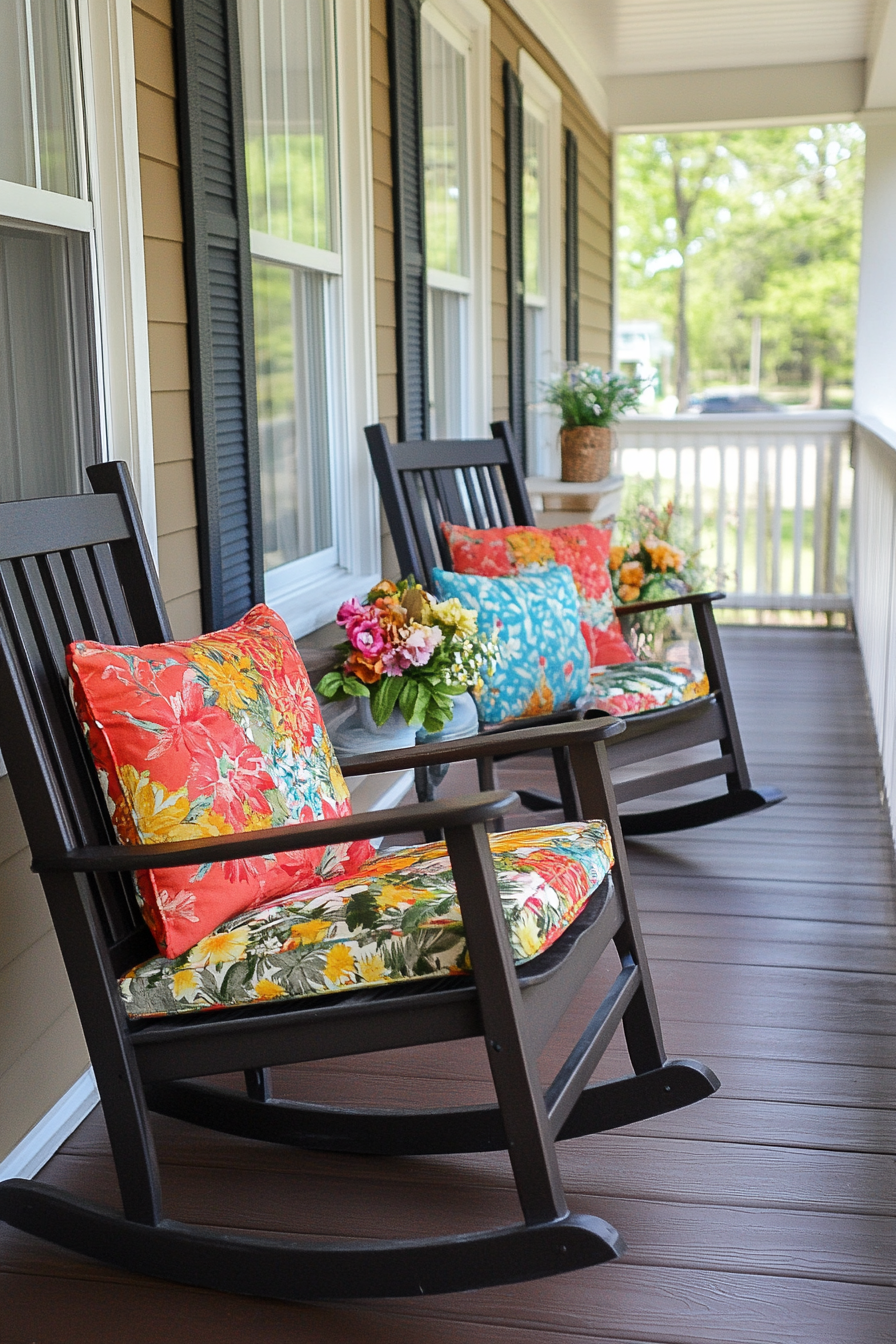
(639, 37)
(647, 63)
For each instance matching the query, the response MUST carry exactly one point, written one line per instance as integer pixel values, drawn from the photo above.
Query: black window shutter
(516, 275)
(219, 293)
(406, 102)
(572, 248)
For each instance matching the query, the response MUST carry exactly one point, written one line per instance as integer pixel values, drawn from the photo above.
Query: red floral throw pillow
(498, 551)
(212, 736)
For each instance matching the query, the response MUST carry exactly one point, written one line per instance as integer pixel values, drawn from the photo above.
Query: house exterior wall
(42, 1052)
(508, 36)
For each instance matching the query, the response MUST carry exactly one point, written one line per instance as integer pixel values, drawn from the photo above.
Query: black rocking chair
(80, 568)
(479, 483)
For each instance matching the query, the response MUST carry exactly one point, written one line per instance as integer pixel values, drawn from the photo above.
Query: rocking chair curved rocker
(479, 483)
(79, 568)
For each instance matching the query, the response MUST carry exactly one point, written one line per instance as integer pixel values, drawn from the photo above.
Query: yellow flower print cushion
(637, 687)
(396, 919)
(212, 736)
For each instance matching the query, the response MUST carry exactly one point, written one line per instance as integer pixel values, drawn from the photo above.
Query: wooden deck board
(762, 1216)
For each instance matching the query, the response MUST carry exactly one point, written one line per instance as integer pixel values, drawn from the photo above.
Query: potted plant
(407, 660)
(589, 402)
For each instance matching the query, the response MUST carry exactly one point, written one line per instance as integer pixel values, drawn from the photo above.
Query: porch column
(875, 366)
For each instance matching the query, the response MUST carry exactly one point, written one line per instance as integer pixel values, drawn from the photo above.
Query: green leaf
(383, 699)
(421, 704)
(352, 686)
(406, 697)
(331, 686)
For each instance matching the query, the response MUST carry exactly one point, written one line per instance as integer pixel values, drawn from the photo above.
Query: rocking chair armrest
(518, 742)
(467, 811)
(678, 600)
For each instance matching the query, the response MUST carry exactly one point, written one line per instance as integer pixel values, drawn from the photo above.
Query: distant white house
(642, 350)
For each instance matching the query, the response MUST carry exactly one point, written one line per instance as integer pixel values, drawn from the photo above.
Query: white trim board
(772, 95)
(50, 1133)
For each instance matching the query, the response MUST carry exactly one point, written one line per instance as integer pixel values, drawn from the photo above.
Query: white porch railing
(767, 499)
(874, 584)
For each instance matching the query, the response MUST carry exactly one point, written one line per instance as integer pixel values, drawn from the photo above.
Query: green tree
(717, 229)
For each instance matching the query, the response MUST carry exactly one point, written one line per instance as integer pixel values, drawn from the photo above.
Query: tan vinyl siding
(167, 312)
(509, 34)
(42, 1050)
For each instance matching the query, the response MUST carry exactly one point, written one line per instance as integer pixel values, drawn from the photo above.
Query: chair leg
(717, 674)
(103, 1021)
(568, 796)
(258, 1084)
(514, 1074)
(641, 1022)
(485, 768)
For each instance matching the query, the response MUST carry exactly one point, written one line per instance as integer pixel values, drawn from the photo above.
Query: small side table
(566, 503)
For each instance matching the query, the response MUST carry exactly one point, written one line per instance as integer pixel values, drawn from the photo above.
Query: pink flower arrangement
(406, 648)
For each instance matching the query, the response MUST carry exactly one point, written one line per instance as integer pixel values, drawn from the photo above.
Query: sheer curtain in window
(37, 111)
(47, 411)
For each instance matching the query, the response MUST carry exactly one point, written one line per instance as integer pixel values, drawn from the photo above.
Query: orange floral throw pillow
(499, 551)
(212, 736)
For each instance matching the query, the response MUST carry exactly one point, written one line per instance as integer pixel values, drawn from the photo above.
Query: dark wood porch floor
(763, 1215)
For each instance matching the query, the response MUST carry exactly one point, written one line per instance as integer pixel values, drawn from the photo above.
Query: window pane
(289, 132)
(54, 96)
(290, 340)
(541, 429)
(36, 96)
(534, 165)
(448, 363)
(47, 410)
(444, 153)
(16, 139)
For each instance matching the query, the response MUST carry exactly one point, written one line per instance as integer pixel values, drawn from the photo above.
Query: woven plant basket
(585, 453)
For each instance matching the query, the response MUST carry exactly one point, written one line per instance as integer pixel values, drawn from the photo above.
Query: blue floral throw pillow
(543, 659)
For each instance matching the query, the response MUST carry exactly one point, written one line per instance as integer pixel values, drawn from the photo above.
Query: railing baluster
(741, 516)
(799, 449)
(760, 515)
(818, 525)
(833, 512)
(720, 518)
(698, 490)
(776, 517)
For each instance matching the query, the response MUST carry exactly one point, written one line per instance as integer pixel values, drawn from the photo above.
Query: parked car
(742, 403)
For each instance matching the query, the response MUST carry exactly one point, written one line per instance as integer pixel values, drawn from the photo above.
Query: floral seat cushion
(633, 688)
(212, 736)
(396, 919)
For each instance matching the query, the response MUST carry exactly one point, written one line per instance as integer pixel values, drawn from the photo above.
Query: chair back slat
(477, 483)
(417, 542)
(110, 587)
(93, 579)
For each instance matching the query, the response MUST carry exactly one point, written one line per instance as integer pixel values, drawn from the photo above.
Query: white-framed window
(307, 123)
(455, 85)
(542, 242)
(74, 357)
